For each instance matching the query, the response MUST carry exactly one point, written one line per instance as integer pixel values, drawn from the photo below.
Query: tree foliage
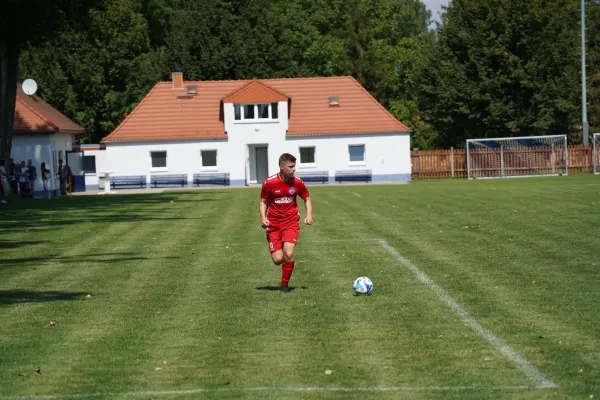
(503, 68)
(493, 67)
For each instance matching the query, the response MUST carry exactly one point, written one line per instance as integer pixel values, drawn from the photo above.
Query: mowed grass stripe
(394, 282)
(84, 333)
(506, 294)
(151, 299)
(207, 300)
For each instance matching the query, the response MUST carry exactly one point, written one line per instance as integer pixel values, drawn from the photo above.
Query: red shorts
(276, 237)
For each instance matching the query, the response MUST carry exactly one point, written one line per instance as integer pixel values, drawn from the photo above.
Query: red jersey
(282, 208)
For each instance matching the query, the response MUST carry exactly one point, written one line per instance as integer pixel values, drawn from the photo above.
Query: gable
(255, 92)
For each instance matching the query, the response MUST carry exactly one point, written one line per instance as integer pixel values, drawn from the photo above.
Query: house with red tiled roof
(41, 134)
(185, 132)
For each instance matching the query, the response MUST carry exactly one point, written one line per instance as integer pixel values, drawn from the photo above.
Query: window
(357, 153)
(89, 164)
(159, 159)
(263, 111)
(249, 111)
(209, 158)
(253, 112)
(307, 155)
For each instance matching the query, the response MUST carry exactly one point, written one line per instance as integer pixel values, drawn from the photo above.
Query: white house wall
(241, 134)
(92, 180)
(183, 157)
(386, 155)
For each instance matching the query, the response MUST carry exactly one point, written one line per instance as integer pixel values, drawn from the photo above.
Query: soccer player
(279, 215)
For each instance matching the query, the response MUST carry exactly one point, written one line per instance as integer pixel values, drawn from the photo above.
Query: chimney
(177, 80)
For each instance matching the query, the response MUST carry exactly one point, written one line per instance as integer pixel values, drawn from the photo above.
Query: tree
(23, 21)
(102, 72)
(593, 62)
(502, 68)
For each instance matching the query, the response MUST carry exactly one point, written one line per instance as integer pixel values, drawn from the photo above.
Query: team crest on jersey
(292, 190)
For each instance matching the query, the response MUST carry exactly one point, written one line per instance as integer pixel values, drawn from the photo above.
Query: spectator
(65, 175)
(31, 175)
(45, 176)
(4, 188)
(24, 188)
(14, 184)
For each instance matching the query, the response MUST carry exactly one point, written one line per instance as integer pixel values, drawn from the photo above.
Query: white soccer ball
(363, 285)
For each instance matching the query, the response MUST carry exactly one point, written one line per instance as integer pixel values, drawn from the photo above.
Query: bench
(166, 180)
(211, 179)
(314, 176)
(359, 175)
(134, 180)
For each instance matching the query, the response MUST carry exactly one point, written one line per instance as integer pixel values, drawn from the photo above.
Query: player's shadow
(276, 288)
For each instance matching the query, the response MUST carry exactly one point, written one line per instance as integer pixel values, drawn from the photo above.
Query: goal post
(596, 153)
(516, 157)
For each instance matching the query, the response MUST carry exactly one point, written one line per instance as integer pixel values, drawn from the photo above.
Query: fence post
(452, 161)
(417, 163)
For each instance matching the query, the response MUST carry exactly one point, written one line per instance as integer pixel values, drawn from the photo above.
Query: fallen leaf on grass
(157, 368)
(328, 372)
(52, 324)
(580, 372)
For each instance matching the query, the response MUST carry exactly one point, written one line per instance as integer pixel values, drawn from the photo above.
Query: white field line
(354, 193)
(525, 366)
(272, 389)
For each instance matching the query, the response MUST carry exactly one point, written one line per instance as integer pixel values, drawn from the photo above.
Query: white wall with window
(306, 157)
(386, 155)
(175, 157)
(208, 160)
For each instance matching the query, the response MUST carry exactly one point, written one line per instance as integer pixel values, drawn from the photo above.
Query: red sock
(286, 272)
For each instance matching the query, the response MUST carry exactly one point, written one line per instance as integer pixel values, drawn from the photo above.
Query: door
(262, 164)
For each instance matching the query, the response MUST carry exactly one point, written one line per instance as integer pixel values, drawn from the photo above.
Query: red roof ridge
(245, 81)
(131, 113)
(389, 114)
(33, 110)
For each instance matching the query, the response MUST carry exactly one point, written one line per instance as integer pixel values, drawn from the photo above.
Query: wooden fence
(431, 164)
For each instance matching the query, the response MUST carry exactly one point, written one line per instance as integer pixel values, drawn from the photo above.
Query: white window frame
(355, 163)
(307, 165)
(254, 120)
(159, 169)
(210, 168)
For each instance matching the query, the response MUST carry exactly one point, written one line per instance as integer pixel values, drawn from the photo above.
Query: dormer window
(255, 112)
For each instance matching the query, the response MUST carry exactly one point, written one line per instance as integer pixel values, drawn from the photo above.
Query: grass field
(483, 289)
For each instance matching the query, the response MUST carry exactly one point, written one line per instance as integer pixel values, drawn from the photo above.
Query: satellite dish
(29, 86)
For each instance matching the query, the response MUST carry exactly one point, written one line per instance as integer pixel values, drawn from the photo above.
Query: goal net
(596, 153)
(517, 157)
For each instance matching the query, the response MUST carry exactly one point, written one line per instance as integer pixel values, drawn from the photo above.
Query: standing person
(279, 215)
(31, 175)
(4, 188)
(65, 175)
(14, 179)
(24, 189)
(45, 176)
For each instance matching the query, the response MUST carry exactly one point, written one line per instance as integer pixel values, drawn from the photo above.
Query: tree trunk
(9, 61)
